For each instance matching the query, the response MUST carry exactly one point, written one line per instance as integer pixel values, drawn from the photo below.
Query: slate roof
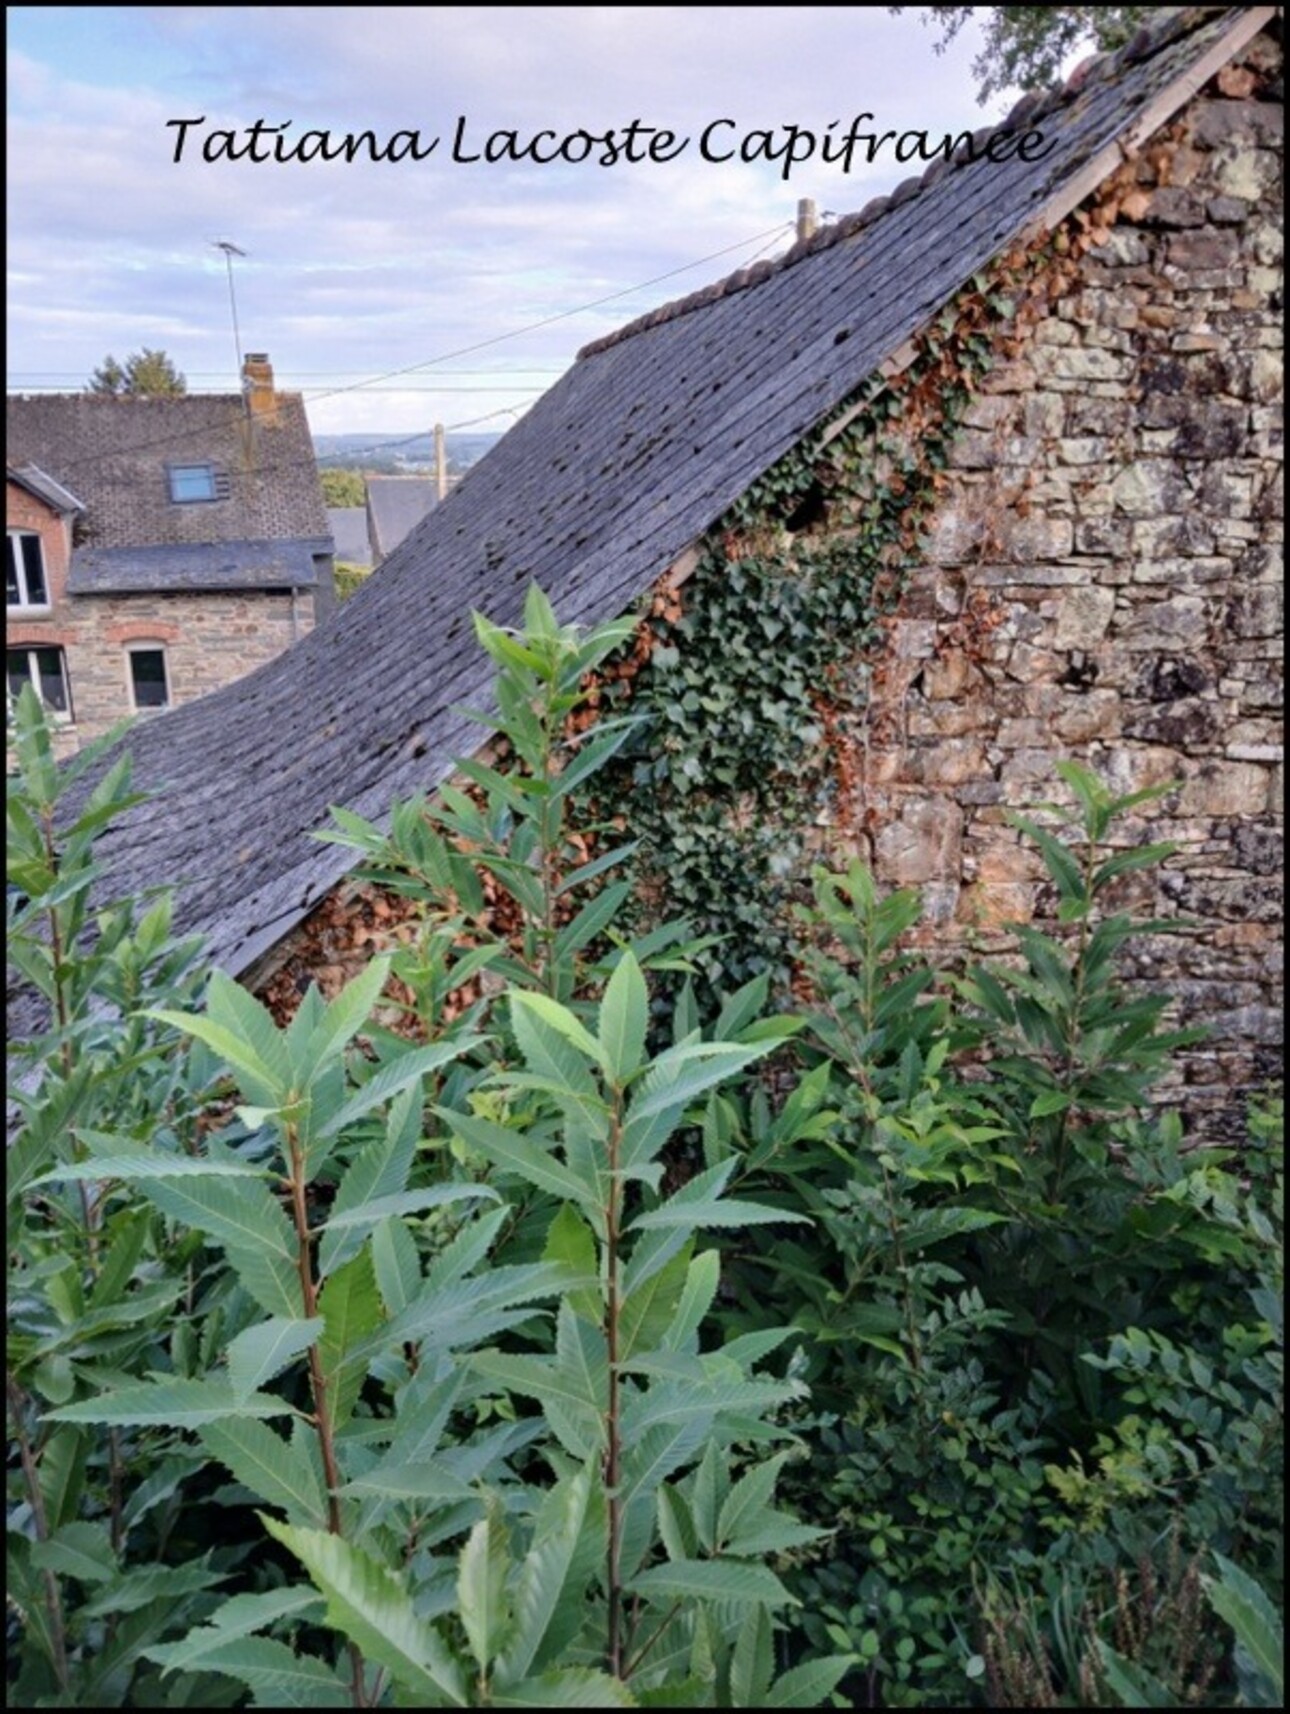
(113, 454)
(348, 526)
(595, 492)
(35, 481)
(201, 566)
(395, 506)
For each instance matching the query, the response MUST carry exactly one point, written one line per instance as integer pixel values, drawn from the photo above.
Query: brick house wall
(25, 511)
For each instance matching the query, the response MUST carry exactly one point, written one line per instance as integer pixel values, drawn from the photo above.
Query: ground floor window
(46, 671)
(149, 686)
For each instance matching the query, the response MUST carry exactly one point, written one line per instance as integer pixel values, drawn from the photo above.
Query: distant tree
(343, 487)
(144, 375)
(348, 578)
(1026, 45)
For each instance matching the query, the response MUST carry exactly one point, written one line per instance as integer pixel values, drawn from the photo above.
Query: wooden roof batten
(607, 484)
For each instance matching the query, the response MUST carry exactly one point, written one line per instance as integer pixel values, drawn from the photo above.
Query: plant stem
(613, 1586)
(317, 1379)
(18, 1402)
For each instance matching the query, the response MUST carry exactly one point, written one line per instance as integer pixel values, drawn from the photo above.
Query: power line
(172, 440)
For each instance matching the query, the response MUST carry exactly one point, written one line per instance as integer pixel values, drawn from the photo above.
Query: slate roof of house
(35, 481)
(114, 452)
(348, 526)
(395, 506)
(201, 566)
(595, 492)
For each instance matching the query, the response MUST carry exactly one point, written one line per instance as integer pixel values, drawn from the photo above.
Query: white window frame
(24, 603)
(173, 471)
(143, 647)
(59, 716)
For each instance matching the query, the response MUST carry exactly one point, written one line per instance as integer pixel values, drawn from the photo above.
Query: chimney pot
(257, 384)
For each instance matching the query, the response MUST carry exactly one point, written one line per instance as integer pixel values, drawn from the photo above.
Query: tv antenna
(230, 250)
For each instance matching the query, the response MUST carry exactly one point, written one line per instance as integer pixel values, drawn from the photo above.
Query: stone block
(1149, 489)
(923, 844)
(1177, 624)
(1083, 618)
(1227, 788)
(1258, 611)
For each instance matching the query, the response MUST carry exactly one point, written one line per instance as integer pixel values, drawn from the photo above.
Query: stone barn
(986, 474)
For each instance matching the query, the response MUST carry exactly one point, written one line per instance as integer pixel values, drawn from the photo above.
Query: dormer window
(24, 574)
(194, 482)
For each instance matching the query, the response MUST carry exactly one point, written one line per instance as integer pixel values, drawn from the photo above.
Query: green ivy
(748, 690)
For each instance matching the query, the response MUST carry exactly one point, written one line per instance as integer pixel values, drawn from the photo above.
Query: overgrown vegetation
(450, 1345)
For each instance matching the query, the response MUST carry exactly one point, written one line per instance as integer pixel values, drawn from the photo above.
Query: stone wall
(1104, 581)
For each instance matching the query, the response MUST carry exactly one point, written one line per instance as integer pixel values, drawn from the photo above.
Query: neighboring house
(159, 548)
(348, 526)
(1100, 577)
(395, 506)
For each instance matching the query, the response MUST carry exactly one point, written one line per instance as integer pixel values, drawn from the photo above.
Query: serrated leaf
(516, 1153)
(422, 1479)
(711, 1580)
(244, 1218)
(749, 1497)
(624, 1018)
(276, 1676)
(1237, 1598)
(263, 1351)
(396, 1264)
(170, 1404)
(350, 1306)
(372, 1607)
(80, 1550)
(239, 1616)
(127, 1594)
(129, 1168)
(405, 1072)
(569, 1687)
(811, 1684)
(701, 1280)
(567, 1549)
(481, 1588)
(263, 1462)
(752, 1661)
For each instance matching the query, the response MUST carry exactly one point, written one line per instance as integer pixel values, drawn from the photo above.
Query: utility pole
(230, 250)
(440, 462)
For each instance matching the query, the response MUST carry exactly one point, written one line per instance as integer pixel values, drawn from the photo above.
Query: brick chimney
(257, 385)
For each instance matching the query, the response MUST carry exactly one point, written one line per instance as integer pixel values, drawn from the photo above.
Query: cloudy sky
(399, 293)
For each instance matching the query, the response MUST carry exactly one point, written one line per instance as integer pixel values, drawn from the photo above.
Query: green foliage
(1025, 46)
(1023, 1297)
(348, 578)
(508, 1481)
(749, 697)
(342, 487)
(144, 375)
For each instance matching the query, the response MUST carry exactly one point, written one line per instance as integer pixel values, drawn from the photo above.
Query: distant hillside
(392, 452)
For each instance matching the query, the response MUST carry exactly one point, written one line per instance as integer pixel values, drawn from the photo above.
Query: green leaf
(80, 1550)
(245, 1219)
(257, 1082)
(372, 1607)
(131, 1168)
(624, 1018)
(263, 1351)
(710, 1580)
(416, 1480)
(1236, 1597)
(701, 1280)
(342, 1020)
(62, 1474)
(550, 1596)
(405, 1072)
(571, 1241)
(749, 1497)
(562, 1020)
(509, 1149)
(811, 1684)
(350, 1306)
(170, 1404)
(263, 1462)
(753, 1660)
(150, 1582)
(276, 1676)
(569, 1687)
(238, 1617)
(481, 1588)
(1133, 1685)
(396, 1264)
